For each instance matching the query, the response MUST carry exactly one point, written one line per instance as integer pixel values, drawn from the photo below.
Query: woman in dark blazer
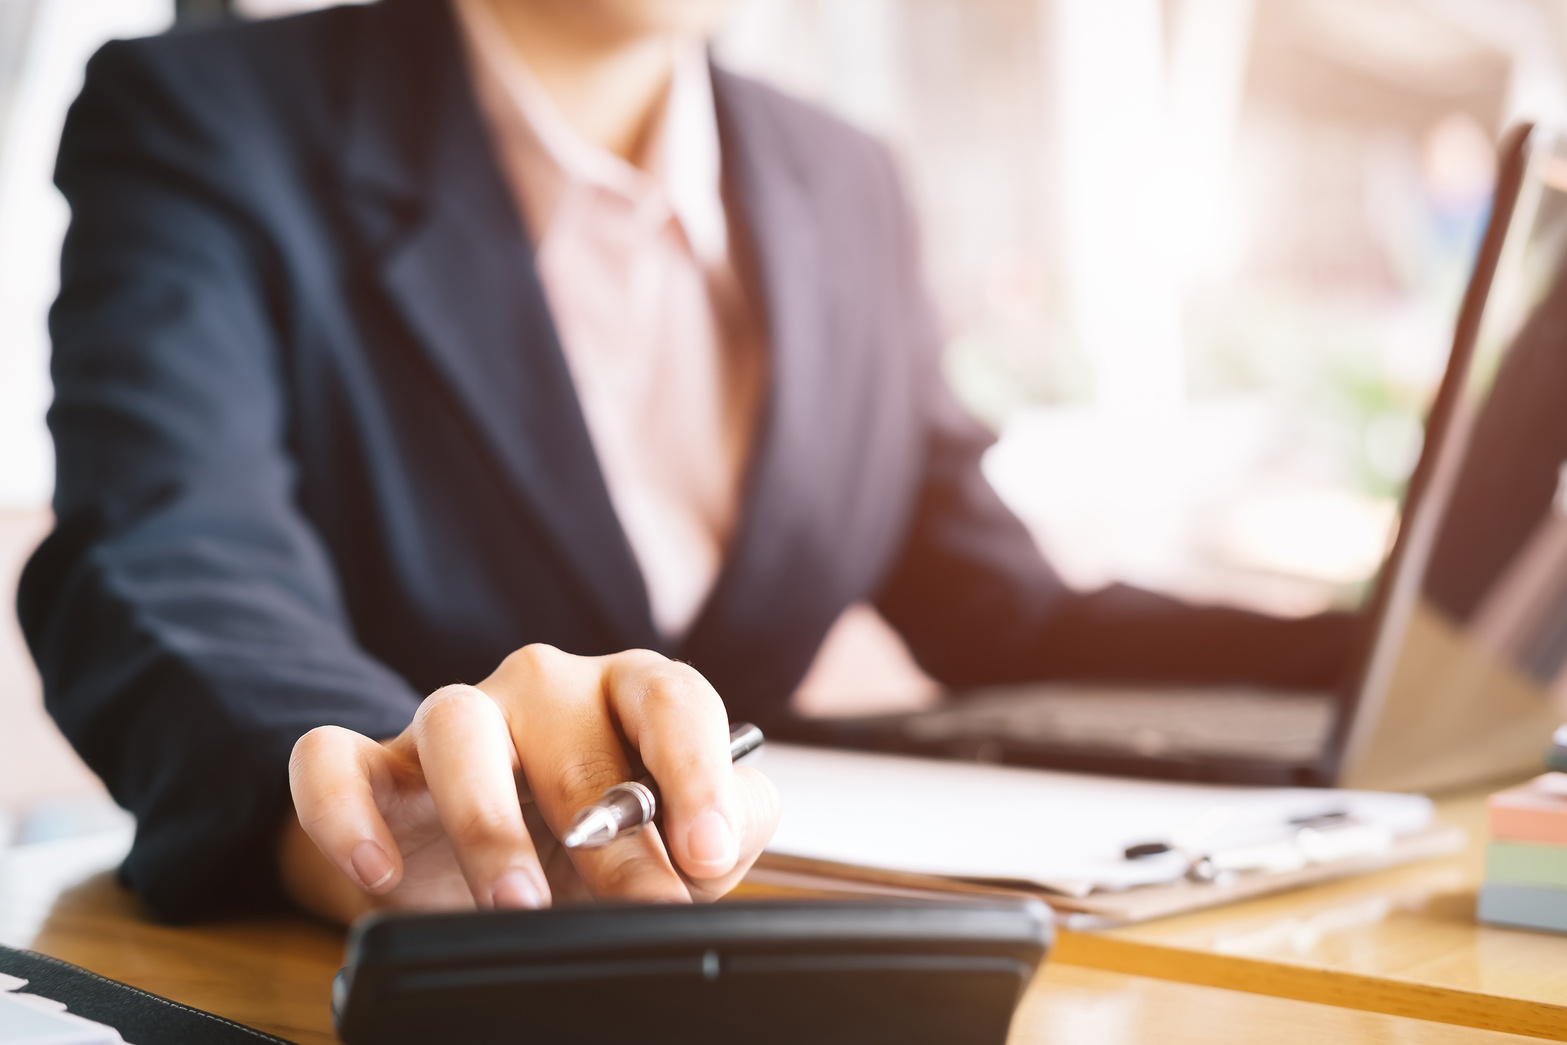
(319, 456)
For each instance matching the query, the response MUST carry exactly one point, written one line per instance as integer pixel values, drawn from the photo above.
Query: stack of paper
(1526, 862)
(1063, 832)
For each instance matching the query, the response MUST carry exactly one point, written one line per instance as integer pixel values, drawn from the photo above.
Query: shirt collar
(685, 169)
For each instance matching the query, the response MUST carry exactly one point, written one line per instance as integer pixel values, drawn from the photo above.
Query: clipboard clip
(1296, 843)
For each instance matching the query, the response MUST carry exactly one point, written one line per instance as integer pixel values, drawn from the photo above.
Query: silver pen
(626, 808)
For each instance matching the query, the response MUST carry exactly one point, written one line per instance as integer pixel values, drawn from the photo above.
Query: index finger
(465, 750)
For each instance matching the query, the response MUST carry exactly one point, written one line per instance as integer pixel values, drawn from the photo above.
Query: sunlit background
(1198, 260)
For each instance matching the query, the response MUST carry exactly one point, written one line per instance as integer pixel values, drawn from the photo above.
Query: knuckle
(533, 660)
(479, 827)
(641, 659)
(590, 777)
(316, 819)
(674, 686)
(314, 740)
(446, 704)
(631, 876)
(312, 747)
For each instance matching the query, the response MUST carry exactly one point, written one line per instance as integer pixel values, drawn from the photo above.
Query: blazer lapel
(455, 261)
(758, 594)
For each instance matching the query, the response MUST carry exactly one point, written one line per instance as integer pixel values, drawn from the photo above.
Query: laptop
(1464, 664)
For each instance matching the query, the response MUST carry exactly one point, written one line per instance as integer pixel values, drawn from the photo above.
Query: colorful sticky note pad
(1532, 812)
(1523, 906)
(1526, 863)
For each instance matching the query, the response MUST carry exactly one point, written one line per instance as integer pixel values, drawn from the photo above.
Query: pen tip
(597, 827)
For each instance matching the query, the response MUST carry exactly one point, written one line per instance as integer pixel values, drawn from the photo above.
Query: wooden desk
(1403, 942)
(277, 976)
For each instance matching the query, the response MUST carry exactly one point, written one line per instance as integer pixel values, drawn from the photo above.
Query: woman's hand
(438, 817)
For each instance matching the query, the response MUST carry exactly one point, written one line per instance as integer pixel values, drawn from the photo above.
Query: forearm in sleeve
(184, 614)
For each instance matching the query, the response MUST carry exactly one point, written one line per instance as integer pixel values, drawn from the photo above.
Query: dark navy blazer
(319, 451)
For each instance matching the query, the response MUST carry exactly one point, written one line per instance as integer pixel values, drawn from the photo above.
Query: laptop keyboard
(1249, 724)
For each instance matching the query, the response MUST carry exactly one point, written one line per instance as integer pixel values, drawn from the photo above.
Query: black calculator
(911, 972)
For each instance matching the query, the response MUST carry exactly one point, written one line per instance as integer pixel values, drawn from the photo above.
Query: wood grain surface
(276, 976)
(1403, 942)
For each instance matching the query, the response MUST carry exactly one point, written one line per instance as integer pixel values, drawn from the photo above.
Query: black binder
(140, 1017)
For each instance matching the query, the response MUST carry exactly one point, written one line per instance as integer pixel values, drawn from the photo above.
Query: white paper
(1061, 831)
(27, 1019)
(36, 1001)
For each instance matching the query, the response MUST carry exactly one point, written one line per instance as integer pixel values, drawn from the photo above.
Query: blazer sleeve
(978, 604)
(183, 614)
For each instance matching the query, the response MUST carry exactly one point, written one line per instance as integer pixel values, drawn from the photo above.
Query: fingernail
(372, 865)
(516, 889)
(711, 841)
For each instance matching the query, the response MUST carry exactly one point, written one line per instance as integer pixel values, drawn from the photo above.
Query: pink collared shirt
(663, 344)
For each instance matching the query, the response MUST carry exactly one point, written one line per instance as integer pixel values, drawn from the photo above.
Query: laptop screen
(1498, 567)
(1472, 644)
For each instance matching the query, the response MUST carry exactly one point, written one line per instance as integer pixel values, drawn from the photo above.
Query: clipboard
(1099, 910)
(1069, 827)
